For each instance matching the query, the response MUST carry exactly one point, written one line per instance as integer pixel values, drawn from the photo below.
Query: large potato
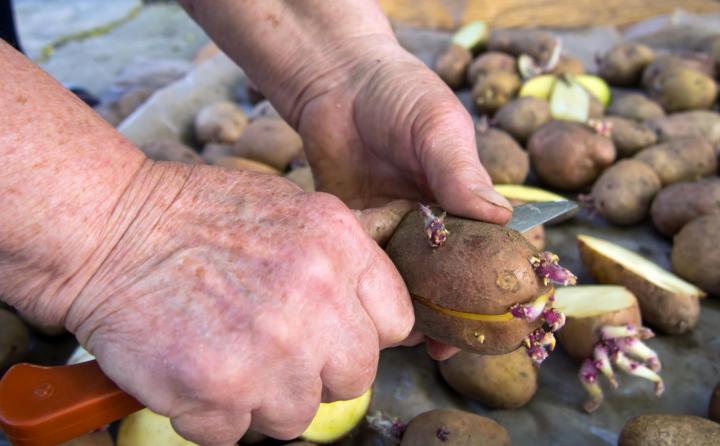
(522, 116)
(683, 89)
(670, 430)
(624, 63)
(680, 203)
(490, 62)
(569, 155)
(505, 161)
(670, 62)
(14, 339)
(452, 65)
(270, 141)
(220, 122)
(628, 136)
(679, 160)
(540, 45)
(496, 381)
(701, 123)
(696, 253)
(623, 193)
(635, 106)
(494, 90)
(450, 427)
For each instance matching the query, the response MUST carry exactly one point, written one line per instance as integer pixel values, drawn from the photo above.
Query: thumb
(380, 223)
(448, 156)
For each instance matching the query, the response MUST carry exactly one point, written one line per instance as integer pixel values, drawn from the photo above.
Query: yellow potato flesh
(592, 300)
(335, 420)
(526, 193)
(146, 428)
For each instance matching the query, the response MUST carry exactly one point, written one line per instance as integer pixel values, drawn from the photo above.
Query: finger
(439, 351)
(380, 223)
(287, 411)
(414, 338)
(211, 428)
(445, 142)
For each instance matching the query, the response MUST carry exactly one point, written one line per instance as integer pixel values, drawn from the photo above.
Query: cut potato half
(538, 87)
(146, 428)
(589, 308)
(527, 193)
(335, 420)
(666, 301)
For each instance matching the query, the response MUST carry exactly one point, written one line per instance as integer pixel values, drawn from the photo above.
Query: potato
(270, 141)
(588, 308)
(335, 420)
(462, 291)
(536, 237)
(675, 430)
(635, 106)
(696, 253)
(679, 160)
(683, 89)
(569, 155)
(116, 111)
(14, 339)
(671, 62)
(496, 381)
(170, 150)
(214, 151)
(680, 203)
(628, 136)
(682, 125)
(526, 194)
(624, 63)
(714, 406)
(494, 90)
(452, 65)
(490, 62)
(505, 161)
(303, 177)
(221, 122)
(263, 109)
(568, 64)
(666, 301)
(237, 163)
(99, 438)
(540, 45)
(522, 116)
(450, 427)
(146, 428)
(623, 193)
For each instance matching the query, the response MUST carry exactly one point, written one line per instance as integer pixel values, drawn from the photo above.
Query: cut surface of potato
(592, 300)
(335, 420)
(527, 193)
(146, 428)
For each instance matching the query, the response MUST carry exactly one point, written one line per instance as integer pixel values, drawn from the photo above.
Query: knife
(41, 406)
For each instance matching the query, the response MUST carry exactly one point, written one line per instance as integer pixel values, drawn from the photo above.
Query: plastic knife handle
(43, 406)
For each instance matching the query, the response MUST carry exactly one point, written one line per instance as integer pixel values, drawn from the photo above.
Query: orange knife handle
(41, 406)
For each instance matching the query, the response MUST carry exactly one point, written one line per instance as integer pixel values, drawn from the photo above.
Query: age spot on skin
(21, 99)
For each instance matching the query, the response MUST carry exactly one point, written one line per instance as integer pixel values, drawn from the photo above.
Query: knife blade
(529, 215)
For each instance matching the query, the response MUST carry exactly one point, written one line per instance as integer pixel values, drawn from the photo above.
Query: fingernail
(491, 196)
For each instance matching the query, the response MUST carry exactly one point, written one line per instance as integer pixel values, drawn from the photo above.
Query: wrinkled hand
(237, 300)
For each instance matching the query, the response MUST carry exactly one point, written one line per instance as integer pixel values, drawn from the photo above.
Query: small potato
(540, 45)
(702, 123)
(270, 141)
(635, 106)
(623, 193)
(679, 160)
(494, 90)
(629, 136)
(303, 177)
(14, 339)
(683, 89)
(235, 162)
(568, 65)
(696, 253)
(452, 65)
(490, 62)
(671, 430)
(663, 64)
(681, 203)
(221, 122)
(450, 427)
(505, 161)
(496, 381)
(170, 150)
(623, 65)
(522, 116)
(569, 155)
(714, 406)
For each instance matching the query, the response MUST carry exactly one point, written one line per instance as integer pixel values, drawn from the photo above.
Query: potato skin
(170, 150)
(490, 62)
(623, 65)
(505, 161)
(714, 405)
(568, 65)
(14, 339)
(270, 141)
(482, 268)
(672, 313)
(665, 63)
(494, 90)
(221, 122)
(635, 106)
(535, 43)
(497, 381)
(696, 254)
(629, 136)
(675, 430)
(702, 123)
(682, 89)
(680, 203)
(623, 193)
(680, 160)
(461, 429)
(452, 65)
(522, 116)
(536, 237)
(568, 155)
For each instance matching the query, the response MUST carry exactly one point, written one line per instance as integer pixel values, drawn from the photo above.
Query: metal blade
(527, 216)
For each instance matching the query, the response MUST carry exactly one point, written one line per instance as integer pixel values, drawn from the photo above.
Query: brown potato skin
(623, 65)
(696, 253)
(494, 90)
(714, 405)
(452, 65)
(675, 430)
(680, 160)
(680, 203)
(669, 62)
(270, 141)
(482, 268)
(522, 116)
(568, 65)
(568, 155)
(535, 43)
(170, 150)
(635, 106)
(580, 334)
(629, 136)
(671, 313)
(623, 193)
(683, 89)
(463, 429)
(505, 161)
(490, 62)
(14, 339)
(703, 123)
(497, 381)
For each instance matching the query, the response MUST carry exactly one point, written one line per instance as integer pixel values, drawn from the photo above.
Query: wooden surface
(449, 14)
